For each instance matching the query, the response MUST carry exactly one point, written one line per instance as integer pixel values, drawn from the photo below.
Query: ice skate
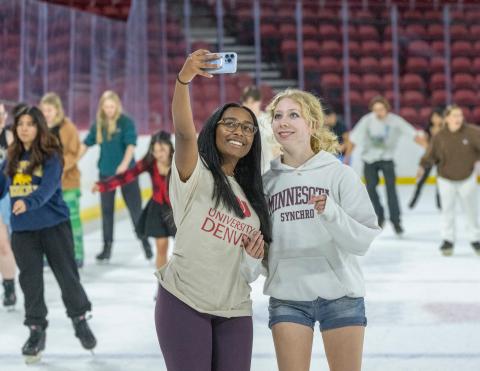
(32, 349)
(84, 333)
(9, 296)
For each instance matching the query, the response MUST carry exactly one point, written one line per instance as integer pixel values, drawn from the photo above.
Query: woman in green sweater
(116, 134)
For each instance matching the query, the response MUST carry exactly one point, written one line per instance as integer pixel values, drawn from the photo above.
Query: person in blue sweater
(40, 225)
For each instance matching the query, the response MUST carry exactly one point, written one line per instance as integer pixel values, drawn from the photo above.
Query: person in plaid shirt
(156, 219)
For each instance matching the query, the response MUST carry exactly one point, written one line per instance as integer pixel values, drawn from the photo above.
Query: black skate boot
(147, 248)
(84, 333)
(381, 222)
(9, 297)
(398, 229)
(104, 256)
(32, 349)
(447, 248)
(476, 247)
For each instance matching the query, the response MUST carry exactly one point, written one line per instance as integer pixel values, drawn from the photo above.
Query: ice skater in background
(7, 260)
(322, 219)
(116, 135)
(252, 99)
(435, 124)
(67, 134)
(40, 226)
(156, 219)
(454, 150)
(378, 133)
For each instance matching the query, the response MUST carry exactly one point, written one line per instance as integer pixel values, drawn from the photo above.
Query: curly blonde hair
(102, 121)
(322, 138)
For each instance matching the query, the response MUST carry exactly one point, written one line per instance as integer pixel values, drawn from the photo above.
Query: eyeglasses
(248, 129)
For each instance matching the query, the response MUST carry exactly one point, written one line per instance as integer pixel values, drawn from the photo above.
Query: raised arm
(186, 149)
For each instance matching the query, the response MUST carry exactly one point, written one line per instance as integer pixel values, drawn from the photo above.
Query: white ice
(423, 309)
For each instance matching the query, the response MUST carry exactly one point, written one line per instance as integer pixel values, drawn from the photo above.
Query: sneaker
(32, 349)
(84, 333)
(398, 229)
(476, 247)
(446, 248)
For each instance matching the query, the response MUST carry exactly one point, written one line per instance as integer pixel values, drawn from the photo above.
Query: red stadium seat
(437, 64)
(368, 32)
(413, 99)
(329, 65)
(354, 48)
(465, 98)
(311, 48)
(355, 82)
(463, 81)
(417, 65)
(435, 32)
(386, 65)
(372, 49)
(437, 81)
(369, 64)
(415, 32)
(461, 64)
(411, 115)
(438, 47)
(476, 65)
(419, 48)
(462, 48)
(331, 81)
(372, 82)
(331, 48)
(329, 32)
(439, 98)
(412, 81)
(459, 32)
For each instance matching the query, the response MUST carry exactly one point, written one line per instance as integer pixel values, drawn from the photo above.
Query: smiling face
(234, 144)
(161, 153)
(289, 127)
(454, 119)
(26, 130)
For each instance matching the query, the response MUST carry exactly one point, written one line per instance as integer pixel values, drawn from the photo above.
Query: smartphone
(227, 63)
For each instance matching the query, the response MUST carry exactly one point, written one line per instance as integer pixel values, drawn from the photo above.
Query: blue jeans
(331, 314)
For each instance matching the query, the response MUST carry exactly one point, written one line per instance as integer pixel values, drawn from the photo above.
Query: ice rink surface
(423, 309)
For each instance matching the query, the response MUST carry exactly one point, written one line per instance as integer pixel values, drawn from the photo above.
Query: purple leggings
(194, 341)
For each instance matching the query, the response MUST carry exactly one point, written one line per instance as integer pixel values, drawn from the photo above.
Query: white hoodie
(314, 255)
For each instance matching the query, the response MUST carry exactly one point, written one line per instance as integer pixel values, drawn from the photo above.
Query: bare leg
(7, 260)
(344, 347)
(293, 346)
(162, 250)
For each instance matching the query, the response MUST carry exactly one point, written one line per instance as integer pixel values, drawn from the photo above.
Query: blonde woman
(116, 134)
(322, 219)
(454, 150)
(67, 134)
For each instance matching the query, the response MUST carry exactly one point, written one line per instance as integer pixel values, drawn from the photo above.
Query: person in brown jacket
(454, 150)
(67, 133)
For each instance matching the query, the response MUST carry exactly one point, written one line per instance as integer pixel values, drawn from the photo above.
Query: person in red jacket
(156, 219)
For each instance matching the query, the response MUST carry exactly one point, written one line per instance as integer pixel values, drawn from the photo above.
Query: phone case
(227, 63)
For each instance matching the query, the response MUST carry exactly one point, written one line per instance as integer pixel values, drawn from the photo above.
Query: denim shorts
(331, 314)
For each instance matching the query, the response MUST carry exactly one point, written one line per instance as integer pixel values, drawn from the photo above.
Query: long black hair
(161, 137)
(247, 172)
(43, 147)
